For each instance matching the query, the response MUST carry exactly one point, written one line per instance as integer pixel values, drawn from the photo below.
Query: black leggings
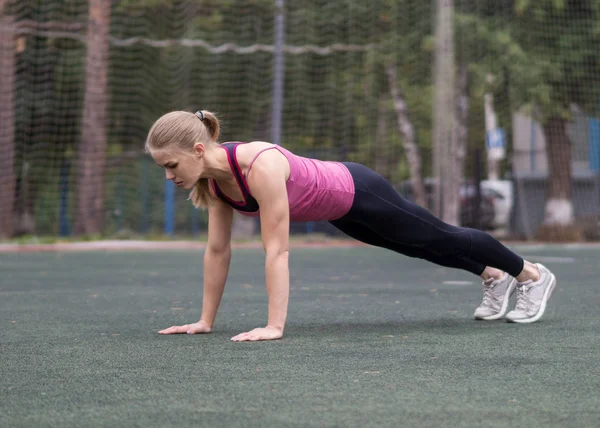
(380, 216)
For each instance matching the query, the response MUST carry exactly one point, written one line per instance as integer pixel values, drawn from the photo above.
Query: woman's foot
(532, 297)
(496, 294)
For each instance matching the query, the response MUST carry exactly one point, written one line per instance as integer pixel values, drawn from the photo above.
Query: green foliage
(48, 100)
(540, 53)
(547, 49)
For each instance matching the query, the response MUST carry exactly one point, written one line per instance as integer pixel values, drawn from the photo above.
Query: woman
(361, 203)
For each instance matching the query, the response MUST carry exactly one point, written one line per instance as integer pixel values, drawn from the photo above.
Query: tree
(445, 136)
(407, 131)
(545, 52)
(401, 31)
(560, 39)
(92, 148)
(7, 121)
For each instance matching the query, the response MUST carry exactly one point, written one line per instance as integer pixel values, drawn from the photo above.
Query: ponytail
(200, 194)
(211, 122)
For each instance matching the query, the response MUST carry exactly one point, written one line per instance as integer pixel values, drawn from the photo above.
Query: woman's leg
(385, 214)
(364, 234)
(496, 290)
(378, 207)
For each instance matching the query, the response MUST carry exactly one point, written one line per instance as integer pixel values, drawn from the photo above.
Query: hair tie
(200, 114)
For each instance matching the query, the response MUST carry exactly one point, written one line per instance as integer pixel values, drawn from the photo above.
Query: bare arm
(268, 186)
(275, 224)
(216, 259)
(216, 268)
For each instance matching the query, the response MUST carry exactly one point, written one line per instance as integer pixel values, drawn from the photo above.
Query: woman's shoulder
(256, 146)
(247, 152)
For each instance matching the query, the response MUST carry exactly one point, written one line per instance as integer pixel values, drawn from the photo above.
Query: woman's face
(181, 167)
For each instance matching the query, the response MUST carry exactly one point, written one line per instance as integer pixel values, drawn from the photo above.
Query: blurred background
(486, 112)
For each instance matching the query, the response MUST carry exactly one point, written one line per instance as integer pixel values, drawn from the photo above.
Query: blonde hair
(183, 129)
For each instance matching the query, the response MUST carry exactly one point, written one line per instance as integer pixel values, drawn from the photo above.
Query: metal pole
(444, 132)
(279, 70)
(477, 179)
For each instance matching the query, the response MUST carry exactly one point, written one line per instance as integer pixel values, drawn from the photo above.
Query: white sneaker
(532, 297)
(496, 294)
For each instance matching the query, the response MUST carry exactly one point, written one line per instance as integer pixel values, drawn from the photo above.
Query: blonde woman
(268, 181)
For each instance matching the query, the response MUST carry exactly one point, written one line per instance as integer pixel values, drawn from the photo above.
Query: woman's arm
(216, 258)
(216, 268)
(268, 186)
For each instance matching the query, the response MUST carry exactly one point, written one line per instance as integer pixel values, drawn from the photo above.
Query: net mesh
(363, 81)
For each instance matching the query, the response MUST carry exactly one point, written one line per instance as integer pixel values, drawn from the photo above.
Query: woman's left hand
(266, 333)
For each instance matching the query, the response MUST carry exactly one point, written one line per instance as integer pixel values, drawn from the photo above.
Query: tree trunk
(408, 138)
(444, 130)
(458, 152)
(7, 123)
(92, 148)
(23, 212)
(559, 203)
(450, 185)
(381, 144)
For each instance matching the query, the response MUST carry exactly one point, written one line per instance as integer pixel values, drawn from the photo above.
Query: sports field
(373, 339)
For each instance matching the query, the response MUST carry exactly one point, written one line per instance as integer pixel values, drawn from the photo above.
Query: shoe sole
(545, 299)
(509, 292)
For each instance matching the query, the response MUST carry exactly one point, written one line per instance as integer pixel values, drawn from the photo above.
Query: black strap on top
(251, 205)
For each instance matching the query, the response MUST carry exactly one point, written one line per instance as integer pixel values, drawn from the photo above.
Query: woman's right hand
(196, 328)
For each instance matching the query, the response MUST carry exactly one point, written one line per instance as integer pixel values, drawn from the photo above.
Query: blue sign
(594, 137)
(495, 139)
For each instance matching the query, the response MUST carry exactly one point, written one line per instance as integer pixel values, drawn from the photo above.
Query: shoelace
(522, 298)
(487, 292)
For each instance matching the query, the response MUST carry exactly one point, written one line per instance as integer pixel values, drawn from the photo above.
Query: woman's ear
(199, 149)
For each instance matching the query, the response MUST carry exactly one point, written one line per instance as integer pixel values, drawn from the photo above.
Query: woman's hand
(196, 328)
(266, 333)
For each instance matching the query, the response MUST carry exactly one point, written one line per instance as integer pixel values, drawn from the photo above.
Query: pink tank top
(317, 190)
